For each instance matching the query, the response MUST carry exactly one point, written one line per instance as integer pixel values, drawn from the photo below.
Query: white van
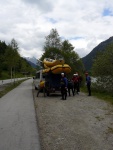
(38, 77)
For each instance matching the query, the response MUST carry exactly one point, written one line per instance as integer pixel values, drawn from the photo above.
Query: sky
(84, 23)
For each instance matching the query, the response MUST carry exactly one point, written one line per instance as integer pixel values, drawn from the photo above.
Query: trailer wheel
(48, 93)
(36, 88)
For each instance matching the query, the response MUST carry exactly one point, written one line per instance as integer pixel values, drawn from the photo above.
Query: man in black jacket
(88, 83)
(63, 86)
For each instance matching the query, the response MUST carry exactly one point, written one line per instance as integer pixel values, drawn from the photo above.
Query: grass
(5, 75)
(99, 118)
(99, 94)
(7, 88)
(110, 130)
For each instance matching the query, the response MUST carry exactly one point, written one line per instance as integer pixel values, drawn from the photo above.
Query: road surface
(18, 126)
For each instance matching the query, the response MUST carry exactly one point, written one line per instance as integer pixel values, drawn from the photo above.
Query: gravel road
(78, 123)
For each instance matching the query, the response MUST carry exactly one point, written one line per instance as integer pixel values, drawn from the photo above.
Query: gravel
(79, 123)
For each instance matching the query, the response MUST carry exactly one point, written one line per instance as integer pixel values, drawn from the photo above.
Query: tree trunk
(11, 74)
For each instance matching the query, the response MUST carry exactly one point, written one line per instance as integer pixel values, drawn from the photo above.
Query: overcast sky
(85, 23)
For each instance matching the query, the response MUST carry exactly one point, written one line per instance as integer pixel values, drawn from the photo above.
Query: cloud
(44, 6)
(84, 23)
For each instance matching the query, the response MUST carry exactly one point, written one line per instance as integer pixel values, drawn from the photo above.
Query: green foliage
(11, 56)
(5, 75)
(2, 52)
(52, 40)
(56, 49)
(103, 64)
(88, 59)
(52, 52)
(11, 63)
(99, 93)
(103, 70)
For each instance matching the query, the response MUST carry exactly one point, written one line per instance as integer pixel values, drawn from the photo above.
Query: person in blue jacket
(63, 83)
(88, 83)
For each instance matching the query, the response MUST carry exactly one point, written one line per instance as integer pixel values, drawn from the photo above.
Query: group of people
(67, 86)
(73, 84)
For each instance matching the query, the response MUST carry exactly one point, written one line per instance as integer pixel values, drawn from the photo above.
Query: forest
(12, 65)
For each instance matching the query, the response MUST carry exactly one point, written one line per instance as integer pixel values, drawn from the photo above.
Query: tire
(48, 93)
(36, 88)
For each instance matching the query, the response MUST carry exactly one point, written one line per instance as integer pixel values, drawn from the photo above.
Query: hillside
(88, 59)
(32, 64)
(33, 61)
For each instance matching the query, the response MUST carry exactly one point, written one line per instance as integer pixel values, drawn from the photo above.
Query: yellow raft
(42, 83)
(46, 67)
(61, 68)
(46, 70)
(55, 66)
(51, 62)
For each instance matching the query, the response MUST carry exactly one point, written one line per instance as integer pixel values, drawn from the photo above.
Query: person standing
(80, 81)
(70, 87)
(76, 83)
(88, 83)
(63, 83)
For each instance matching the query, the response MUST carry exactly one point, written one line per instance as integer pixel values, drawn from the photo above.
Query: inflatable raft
(58, 69)
(51, 62)
(46, 70)
(61, 68)
(55, 66)
(42, 83)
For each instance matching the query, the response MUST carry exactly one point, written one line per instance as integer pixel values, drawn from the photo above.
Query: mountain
(32, 61)
(88, 59)
(32, 64)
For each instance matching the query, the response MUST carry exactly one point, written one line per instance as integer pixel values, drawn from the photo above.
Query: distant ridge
(88, 59)
(32, 59)
(33, 62)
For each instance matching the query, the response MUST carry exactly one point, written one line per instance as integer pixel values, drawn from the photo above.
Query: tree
(56, 49)
(52, 40)
(25, 67)
(15, 48)
(12, 56)
(103, 64)
(66, 46)
(3, 47)
(71, 57)
(11, 61)
(14, 45)
(52, 53)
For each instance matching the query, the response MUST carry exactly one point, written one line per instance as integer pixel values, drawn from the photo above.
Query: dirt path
(78, 123)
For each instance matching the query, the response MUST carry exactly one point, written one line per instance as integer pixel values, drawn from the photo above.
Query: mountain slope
(33, 61)
(32, 64)
(88, 59)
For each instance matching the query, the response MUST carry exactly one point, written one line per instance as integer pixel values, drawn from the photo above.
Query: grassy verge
(10, 87)
(5, 75)
(99, 94)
